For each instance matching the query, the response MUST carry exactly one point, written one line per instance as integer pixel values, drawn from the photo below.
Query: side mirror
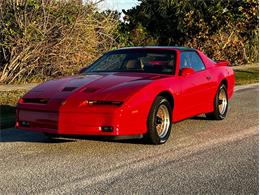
(82, 70)
(186, 71)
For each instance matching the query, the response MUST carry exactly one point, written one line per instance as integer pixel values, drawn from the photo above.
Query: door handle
(208, 77)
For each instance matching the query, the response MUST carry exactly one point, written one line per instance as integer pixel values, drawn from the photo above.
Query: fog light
(107, 128)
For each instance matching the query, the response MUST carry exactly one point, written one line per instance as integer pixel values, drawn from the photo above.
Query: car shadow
(16, 135)
(7, 116)
(111, 139)
(200, 117)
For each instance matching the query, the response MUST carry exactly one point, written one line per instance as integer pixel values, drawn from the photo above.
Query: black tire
(217, 114)
(154, 121)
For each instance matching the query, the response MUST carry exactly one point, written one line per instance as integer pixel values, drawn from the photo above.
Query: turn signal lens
(85, 103)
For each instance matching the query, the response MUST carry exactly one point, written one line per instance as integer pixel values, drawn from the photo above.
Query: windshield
(144, 60)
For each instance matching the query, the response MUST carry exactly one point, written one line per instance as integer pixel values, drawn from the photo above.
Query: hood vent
(90, 90)
(69, 88)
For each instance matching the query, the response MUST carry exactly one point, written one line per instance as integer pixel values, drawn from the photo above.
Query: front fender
(135, 111)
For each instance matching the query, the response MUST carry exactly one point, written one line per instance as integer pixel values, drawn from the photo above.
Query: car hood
(102, 86)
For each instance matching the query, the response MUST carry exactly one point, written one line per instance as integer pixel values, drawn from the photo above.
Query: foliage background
(44, 39)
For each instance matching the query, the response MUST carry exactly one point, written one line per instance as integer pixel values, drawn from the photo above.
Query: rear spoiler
(223, 63)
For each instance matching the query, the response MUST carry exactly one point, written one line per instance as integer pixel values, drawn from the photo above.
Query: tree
(228, 26)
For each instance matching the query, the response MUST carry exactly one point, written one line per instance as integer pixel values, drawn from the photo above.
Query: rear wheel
(159, 121)
(220, 104)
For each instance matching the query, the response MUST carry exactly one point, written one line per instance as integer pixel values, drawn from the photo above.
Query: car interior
(153, 65)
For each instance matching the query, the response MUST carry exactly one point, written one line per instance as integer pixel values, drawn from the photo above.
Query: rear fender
(229, 76)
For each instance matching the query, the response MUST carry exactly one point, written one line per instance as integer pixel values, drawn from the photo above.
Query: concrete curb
(18, 87)
(239, 87)
(244, 67)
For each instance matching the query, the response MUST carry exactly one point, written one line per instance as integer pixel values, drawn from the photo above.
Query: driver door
(195, 92)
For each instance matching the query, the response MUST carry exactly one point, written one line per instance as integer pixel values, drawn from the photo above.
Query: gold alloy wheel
(222, 101)
(162, 120)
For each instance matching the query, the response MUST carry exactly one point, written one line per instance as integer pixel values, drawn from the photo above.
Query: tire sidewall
(152, 132)
(218, 114)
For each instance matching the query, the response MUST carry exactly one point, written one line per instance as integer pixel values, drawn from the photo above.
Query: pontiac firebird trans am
(138, 91)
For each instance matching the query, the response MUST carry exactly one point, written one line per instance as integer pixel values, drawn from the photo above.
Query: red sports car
(138, 91)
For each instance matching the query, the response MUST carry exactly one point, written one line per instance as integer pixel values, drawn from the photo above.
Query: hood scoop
(69, 88)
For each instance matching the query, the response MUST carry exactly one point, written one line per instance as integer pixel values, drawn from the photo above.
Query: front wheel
(159, 121)
(220, 104)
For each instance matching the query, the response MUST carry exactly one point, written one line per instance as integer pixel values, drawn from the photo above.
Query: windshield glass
(144, 60)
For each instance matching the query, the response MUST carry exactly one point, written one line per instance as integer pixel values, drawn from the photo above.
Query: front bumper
(67, 123)
(124, 122)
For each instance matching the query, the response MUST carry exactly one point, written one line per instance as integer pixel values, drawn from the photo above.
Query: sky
(118, 4)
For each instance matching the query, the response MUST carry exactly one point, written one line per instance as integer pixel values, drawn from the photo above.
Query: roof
(159, 47)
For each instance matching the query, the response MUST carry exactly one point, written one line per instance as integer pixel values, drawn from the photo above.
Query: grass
(9, 99)
(247, 76)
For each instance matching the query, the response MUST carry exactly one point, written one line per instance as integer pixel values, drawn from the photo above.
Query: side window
(185, 60)
(190, 59)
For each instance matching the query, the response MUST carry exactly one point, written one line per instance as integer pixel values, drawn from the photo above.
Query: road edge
(239, 87)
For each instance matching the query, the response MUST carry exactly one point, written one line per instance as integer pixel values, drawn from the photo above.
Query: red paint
(187, 71)
(68, 112)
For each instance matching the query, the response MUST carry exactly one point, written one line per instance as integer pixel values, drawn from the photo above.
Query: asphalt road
(201, 156)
